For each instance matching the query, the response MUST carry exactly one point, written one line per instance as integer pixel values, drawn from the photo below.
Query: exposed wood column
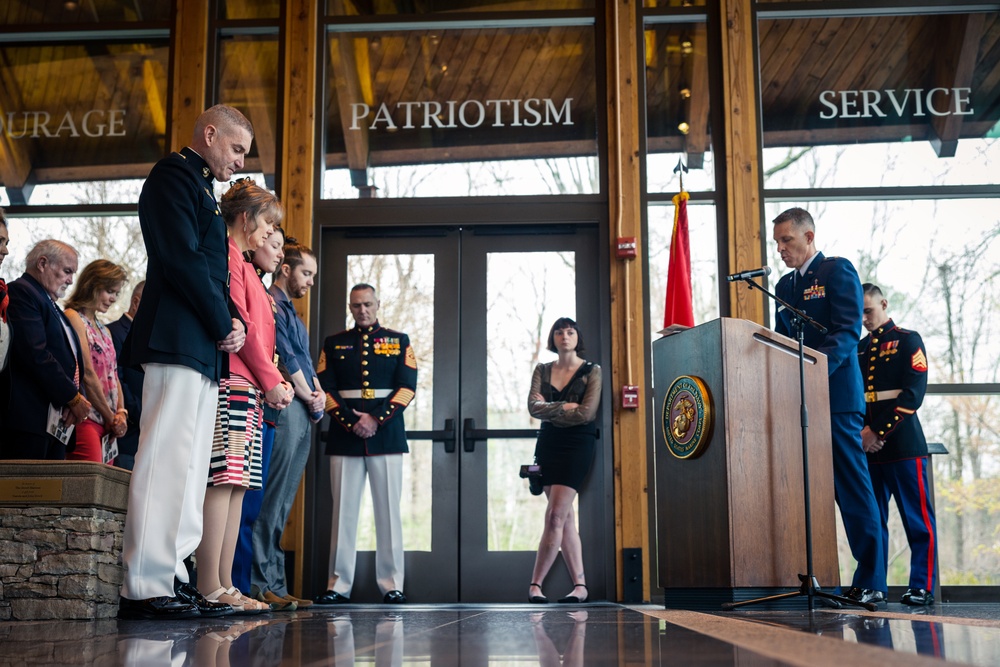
(298, 148)
(628, 312)
(187, 62)
(298, 164)
(742, 167)
(954, 67)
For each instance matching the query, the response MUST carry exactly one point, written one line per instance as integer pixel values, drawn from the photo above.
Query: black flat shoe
(156, 609)
(537, 599)
(209, 609)
(572, 599)
(331, 597)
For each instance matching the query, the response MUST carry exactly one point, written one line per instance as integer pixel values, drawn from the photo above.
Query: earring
(244, 228)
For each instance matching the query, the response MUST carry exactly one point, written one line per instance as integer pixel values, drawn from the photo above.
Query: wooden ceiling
(799, 59)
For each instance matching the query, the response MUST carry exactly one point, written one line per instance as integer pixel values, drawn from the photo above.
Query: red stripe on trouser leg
(927, 523)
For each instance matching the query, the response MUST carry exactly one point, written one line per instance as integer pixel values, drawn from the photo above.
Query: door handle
(470, 434)
(448, 436)
(445, 435)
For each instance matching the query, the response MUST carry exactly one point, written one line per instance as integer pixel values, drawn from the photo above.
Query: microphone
(747, 275)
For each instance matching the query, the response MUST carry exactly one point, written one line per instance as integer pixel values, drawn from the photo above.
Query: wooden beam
(15, 159)
(258, 110)
(345, 64)
(628, 308)
(958, 49)
(295, 188)
(742, 166)
(188, 58)
(696, 142)
(154, 101)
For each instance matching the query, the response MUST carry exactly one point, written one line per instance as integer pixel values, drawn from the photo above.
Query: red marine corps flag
(679, 308)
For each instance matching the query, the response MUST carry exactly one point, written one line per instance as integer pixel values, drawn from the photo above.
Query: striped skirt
(236, 447)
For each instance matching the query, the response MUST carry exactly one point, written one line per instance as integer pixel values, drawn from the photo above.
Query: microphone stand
(810, 586)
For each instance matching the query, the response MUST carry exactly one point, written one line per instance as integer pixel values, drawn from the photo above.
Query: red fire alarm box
(630, 397)
(626, 247)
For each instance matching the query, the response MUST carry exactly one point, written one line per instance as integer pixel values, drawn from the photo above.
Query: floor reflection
(515, 635)
(560, 644)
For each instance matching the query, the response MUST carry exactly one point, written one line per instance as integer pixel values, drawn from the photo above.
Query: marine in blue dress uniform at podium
(828, 290)
(895, 369)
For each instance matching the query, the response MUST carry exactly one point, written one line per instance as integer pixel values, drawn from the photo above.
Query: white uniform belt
(364, 393)
(876, 396)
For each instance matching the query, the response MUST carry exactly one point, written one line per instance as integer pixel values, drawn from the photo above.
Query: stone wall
(59, 561)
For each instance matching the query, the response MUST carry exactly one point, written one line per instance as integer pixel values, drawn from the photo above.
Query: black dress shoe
(151, 609)
(331, 597)
(207, 608)
(917, 597)
(537, 599)
(865, 595)
(394, 597)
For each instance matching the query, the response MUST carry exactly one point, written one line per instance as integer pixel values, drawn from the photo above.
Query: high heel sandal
(537, 599)
(572, 599)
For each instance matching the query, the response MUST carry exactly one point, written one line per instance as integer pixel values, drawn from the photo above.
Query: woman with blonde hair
(96, 291)
(251, 214)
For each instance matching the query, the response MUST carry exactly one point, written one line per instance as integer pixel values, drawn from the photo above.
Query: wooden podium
(730, 523)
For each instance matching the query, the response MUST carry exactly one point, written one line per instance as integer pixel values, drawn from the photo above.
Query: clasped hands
(870, 442)
(279, 396)
(119, 424)
(234, 341)
(366, 425)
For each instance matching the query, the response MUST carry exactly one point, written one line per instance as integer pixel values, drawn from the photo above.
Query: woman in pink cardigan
(251, 213)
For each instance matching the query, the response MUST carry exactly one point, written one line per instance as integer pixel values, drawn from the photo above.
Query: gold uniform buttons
(871, 377)
(364, 363)
(365, 353)
(365, 383)
(364, 372)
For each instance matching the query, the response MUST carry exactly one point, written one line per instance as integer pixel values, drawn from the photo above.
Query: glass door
(477, 305)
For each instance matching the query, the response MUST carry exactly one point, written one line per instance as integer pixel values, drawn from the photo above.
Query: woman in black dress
(564, 396)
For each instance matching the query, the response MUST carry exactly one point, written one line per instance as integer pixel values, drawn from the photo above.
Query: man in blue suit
(828, 290)
(131, 380)
(182, 336)
(46, 362)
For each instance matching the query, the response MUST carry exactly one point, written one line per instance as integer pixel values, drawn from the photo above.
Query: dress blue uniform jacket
(373, 358)
(893, 358)
(42, 362)
(185, 308)
(830, 293)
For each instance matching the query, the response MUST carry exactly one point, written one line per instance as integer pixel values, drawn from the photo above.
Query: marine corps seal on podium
(686, 417)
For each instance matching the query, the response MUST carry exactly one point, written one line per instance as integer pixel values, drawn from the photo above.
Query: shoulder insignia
(918, 361)
(411, 358)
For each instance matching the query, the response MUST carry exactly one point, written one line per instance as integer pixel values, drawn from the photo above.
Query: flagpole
(680, 170)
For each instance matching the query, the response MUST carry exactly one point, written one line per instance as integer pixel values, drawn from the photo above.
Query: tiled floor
(595, 634)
